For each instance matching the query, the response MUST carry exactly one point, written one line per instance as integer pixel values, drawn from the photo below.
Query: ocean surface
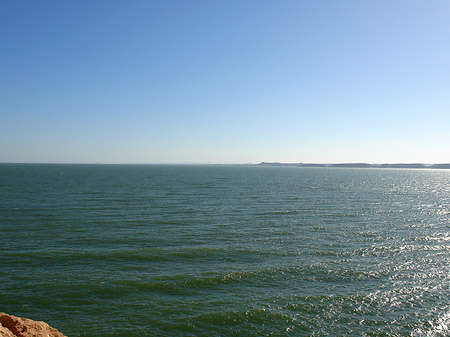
(136, 250)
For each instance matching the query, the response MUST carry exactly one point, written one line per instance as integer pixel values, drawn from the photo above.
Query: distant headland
(359, 165)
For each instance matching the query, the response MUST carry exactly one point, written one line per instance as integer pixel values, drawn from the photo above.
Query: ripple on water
(184, 250)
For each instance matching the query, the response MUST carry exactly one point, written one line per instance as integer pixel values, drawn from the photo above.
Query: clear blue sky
(230, 81)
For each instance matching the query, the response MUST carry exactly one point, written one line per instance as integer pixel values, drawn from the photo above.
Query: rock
(4, 332)
(12, 326)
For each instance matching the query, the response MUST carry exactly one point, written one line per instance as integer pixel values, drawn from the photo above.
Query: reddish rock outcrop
(12, 326)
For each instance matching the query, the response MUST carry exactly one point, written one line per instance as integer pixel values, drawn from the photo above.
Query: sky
(235, 81)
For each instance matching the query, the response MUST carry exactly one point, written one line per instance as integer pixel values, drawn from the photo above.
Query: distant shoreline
(262, 164)
(358, 165)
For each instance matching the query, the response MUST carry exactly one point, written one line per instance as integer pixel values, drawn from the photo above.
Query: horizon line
(262, 163)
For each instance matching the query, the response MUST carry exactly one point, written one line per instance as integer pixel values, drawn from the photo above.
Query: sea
(217, 250)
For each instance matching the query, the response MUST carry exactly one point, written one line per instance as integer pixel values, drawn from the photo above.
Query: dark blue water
(123, 250)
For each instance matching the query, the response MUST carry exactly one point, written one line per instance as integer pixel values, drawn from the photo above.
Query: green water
(123, 250)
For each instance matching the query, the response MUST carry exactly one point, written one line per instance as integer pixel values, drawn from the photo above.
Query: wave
(439, 327)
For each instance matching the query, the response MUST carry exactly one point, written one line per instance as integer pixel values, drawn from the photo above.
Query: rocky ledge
(12, 326)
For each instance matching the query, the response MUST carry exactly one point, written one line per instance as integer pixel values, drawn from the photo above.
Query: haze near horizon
(225, 82)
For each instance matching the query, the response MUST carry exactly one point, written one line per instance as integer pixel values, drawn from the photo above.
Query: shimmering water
(111, 250)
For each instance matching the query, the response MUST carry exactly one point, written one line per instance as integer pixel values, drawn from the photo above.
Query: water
(111, 250)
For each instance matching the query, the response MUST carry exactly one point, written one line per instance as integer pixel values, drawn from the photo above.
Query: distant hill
(403, 166)
(314, 165)
(441, 166)
(364, 165)
(279, 164)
